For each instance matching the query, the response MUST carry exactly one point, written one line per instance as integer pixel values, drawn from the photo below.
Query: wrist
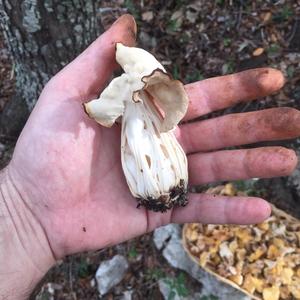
(25, 254)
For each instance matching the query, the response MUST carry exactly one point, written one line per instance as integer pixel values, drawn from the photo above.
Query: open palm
(67, 168)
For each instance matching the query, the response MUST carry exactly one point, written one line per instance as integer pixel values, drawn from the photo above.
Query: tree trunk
(42, 37)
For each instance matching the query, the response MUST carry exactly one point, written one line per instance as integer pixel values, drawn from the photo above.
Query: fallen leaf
(258, 51)
(248, 284)
(147, 16)
(271, 293)
(267, 17)
(238, 279)
(286, 276)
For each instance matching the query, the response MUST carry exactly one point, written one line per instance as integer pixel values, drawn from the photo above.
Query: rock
(162, 234)
(127, 295)
(167, 292)
(175, 254)
(2, 149)
(110, 273)
(177, 257)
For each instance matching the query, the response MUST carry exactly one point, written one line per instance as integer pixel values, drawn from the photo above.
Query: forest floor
(195, 40)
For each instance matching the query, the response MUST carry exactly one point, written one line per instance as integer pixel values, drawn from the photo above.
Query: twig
(103, 10)
(294, 31)
(278, 2)
(245, 107)
(12, 73)
(263, 35)
(240, 14)
(71, 279)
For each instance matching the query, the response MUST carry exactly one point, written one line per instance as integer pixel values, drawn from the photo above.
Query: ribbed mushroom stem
(154, 164)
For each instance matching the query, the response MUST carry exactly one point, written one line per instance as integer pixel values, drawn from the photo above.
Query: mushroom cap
(110, 106)
(170, 96)
(136, 62)
(142, 73)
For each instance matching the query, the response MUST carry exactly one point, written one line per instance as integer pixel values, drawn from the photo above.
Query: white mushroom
(151, 105)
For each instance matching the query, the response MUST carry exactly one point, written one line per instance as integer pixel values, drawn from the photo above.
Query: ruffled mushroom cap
(142, 73)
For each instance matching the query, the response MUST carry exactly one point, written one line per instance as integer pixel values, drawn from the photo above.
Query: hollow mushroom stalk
(151, 105)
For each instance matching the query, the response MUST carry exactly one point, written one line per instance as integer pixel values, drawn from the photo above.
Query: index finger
(221, 92)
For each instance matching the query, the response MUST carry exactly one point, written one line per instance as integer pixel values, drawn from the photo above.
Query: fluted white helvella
(150, 104)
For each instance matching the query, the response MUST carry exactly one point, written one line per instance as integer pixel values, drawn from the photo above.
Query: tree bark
(42, 37)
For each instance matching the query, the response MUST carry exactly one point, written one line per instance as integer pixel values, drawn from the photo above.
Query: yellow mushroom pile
(261, 260)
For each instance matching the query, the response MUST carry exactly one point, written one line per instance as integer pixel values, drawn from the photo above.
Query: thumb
(87, 74)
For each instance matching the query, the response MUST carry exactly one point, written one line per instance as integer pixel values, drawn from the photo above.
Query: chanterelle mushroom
(151, 104)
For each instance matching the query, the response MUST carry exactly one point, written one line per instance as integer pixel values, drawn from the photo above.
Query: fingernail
(128, 17)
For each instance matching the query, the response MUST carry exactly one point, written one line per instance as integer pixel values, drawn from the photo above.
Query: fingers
(240, 129)
(241, 164)
(221, 92)
(88, 73)
(212, 209)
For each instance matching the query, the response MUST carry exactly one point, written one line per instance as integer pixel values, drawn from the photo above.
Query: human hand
(68, 168)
